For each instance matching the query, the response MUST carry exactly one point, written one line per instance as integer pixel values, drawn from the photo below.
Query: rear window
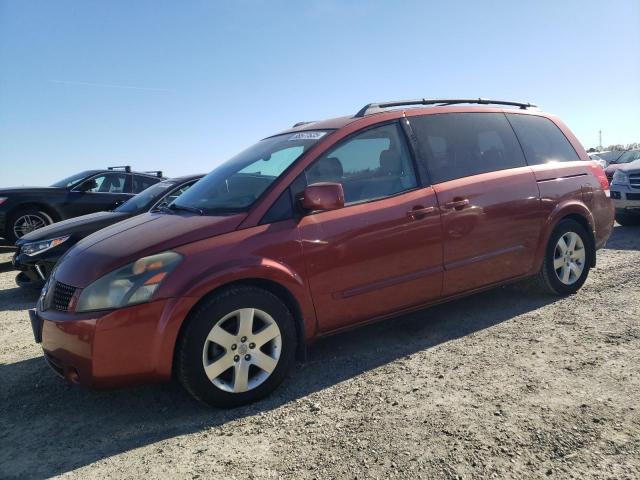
(457, 145)
(541, 140)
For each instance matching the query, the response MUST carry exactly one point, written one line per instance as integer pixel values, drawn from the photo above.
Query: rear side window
(541, 140)
(141, 183)
(457, 145)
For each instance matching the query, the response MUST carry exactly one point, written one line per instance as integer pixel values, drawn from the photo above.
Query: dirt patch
(501, 384)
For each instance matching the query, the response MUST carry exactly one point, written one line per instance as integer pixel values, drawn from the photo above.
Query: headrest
(390, 162)
(327, 169)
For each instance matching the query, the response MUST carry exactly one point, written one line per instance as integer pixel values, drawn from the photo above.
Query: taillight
(597, 170)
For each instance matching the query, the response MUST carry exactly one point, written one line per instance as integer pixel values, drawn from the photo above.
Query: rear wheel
(237, 347)
(627, 219)
(26, 221)
(567, 259)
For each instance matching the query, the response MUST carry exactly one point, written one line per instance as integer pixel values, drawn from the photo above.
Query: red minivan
(324, 227)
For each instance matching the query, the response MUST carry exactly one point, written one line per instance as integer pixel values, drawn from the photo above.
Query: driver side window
(371, 165)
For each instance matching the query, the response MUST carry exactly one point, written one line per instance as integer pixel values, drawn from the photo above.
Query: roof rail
(378, 107)
(126, 168)
(299, 124)
(157, 173)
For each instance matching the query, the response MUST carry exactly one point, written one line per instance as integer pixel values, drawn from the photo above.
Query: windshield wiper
(163, 209)
(186, 208)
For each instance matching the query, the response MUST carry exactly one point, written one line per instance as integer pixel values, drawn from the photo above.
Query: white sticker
(307, 136)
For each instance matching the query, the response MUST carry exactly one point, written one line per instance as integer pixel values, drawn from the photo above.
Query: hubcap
(569, 258)
(27, 224)
(242, 350)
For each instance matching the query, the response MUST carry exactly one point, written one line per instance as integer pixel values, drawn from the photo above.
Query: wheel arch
(48, 209)
(570, 211)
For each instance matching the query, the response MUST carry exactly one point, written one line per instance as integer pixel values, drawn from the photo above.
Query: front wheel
(237, 347)
(567, 259)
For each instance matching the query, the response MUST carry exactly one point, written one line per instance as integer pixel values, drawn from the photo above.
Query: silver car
(625, 192)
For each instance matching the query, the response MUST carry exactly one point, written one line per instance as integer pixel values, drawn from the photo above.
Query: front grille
(634, 180)
(62, 294)
(633, 196)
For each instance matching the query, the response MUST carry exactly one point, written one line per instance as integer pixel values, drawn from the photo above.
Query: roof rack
(378, 107)
(126, 168)
(157, 173)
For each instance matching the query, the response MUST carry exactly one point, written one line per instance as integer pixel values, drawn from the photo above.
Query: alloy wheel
(27, 224)
(242, 350)
(569, 258)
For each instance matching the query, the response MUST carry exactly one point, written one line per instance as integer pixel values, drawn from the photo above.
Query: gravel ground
(505, 383)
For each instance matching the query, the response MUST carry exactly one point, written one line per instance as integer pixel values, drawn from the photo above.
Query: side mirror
(323, 196)
(88, 185)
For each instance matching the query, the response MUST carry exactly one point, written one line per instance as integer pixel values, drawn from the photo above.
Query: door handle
(457, 204)
(419, 212)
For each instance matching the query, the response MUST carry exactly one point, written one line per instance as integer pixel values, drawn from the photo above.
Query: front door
(382, 252)
(491, 213)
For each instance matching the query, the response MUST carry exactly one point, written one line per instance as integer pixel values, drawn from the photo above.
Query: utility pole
(600, 136)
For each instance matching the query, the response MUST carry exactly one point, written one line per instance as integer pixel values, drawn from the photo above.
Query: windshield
(146, 198)
(629, 157)
(236, 184)
(72, 180)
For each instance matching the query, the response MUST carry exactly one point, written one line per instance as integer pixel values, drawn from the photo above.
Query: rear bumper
(105, 349)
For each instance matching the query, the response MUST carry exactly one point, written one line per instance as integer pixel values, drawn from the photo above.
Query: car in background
(625, 192)
(321, 228)
(626, 157)
(600, 161)
(38, 251)
(610, 155)
(25, 209)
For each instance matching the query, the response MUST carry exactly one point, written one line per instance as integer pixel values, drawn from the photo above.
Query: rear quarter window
(456, 145)
(542, 140)
(141, 183)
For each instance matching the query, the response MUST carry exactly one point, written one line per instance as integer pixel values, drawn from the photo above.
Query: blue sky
(182, 86)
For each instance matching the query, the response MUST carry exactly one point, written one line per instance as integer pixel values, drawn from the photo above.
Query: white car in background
(599, 160)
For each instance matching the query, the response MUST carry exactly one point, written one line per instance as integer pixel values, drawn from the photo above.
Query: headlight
(131, 284)
(3, 199)
(34, 248)
(620, 178)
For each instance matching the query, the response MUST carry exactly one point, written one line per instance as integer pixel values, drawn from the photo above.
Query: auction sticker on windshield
(307, 136)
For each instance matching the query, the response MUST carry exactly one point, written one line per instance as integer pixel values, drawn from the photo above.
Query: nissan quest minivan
(320, 228)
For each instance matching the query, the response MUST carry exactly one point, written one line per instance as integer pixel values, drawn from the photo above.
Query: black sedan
(25, 209)
(39, 251)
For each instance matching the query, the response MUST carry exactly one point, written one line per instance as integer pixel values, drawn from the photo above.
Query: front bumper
(40, 266)
(104, 349)
(625, 197)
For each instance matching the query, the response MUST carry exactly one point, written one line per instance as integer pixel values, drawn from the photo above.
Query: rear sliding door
(488, 197)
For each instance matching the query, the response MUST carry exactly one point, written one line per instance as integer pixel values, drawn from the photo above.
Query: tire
(24, 281)
(555, 281)
(219, 317)
(37, 218)
(627, 219)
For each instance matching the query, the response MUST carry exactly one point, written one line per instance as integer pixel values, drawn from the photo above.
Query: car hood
(137, 237)
(18, 190)
(627, 167)
(79, 226)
